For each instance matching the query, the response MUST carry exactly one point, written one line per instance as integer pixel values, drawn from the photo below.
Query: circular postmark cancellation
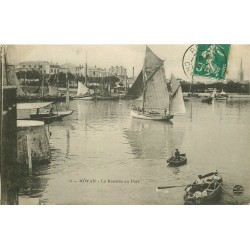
(206, 60)
(188, 60)
(238, 190)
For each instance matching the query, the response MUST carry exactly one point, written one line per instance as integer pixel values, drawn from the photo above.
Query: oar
(164, 187)
(226, 191)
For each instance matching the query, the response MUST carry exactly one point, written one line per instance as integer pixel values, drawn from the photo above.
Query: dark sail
(151, 63)
(137, 88)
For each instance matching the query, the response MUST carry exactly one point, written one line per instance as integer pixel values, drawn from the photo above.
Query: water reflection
(101, 141)
(152, 139)
(34, 182)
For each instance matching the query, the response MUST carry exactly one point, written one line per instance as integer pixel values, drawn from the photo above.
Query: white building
(118, 71)
(44, 67)
(91, 71)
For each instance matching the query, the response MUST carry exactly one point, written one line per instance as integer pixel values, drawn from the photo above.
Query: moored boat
(83, 93)
(207, 189)
(41, 112)
(106, 98)
(207, 99)
(222, 96)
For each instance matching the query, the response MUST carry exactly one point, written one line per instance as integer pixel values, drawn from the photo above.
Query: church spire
(241, 74)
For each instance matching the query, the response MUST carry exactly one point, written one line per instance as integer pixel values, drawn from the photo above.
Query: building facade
(118, 71)
(91, 71)
(43, 67)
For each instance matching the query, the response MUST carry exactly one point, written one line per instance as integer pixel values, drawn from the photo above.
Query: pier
(9, 171)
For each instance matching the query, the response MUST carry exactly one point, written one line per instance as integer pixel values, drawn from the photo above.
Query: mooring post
(29, 152)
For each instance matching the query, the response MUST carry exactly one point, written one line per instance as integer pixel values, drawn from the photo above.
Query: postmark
(206, 60)
(188, 60)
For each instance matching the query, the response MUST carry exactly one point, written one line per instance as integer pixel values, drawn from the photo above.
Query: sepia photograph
(142, 124)
(117, 115)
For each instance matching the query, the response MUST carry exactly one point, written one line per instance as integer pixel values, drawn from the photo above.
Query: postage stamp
(211, 60)
(206, 60)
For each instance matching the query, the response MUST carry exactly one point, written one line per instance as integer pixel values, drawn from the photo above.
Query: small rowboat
(209, 191)
(174, 161)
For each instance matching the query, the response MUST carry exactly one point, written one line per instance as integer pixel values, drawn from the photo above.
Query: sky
(129, 56)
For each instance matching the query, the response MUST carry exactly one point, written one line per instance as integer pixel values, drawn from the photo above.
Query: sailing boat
(54, 94)
(160, 101)
(83, 92)
(222, 96)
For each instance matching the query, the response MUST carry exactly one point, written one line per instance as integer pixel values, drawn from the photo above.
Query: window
(24, 66)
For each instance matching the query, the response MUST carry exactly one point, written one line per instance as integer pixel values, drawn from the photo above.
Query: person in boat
(51, 111)
(177, 154)
(199, 180)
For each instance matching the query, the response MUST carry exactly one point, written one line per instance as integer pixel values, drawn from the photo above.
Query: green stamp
(211, 60)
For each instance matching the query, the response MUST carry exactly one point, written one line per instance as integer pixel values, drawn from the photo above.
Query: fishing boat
(160, 101)
(207, 190)
(177, 161)
(43, 111)
(83, 93)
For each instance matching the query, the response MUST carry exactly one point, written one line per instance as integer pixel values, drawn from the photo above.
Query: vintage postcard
(125, 124)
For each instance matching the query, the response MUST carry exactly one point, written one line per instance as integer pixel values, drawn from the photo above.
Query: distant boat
(221, 96)
(209, 99)
(105, 98)
(41, 112)
(83, 93)
(160, 101)
(239, 96)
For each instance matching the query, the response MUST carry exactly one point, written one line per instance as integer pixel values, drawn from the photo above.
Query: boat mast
(42, 85)
(67, 87)
(86, 69)
(144, 83)
(191, 84)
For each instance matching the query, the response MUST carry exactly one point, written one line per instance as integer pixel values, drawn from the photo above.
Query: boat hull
(213, 195)
(140, 115)
(49, 118)
(85, 98)
(220, 98)
(106, 98)
(173, 162)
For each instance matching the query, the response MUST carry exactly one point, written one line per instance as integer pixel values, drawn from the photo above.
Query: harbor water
(101, 155)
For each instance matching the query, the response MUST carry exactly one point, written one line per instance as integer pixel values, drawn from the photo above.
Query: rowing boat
(208, 190)
(174, 161)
